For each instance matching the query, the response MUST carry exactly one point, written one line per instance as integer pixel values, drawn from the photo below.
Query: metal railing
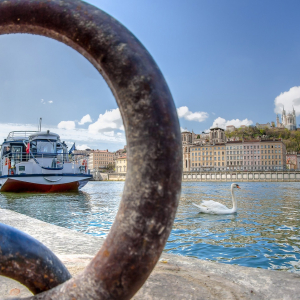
(248, 170)
(54, 161)
(19, 135)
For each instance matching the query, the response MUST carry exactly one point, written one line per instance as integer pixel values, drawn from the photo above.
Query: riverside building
(234, 155)
(217, 154)
(100, 159)
(121, 164)
(205, 155)
(187, 142)
(264, 155)
(208, 157)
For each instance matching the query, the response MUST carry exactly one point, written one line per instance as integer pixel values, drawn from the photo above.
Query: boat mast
(40, 126)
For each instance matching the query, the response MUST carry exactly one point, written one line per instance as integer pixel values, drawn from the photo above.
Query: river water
(264, 233)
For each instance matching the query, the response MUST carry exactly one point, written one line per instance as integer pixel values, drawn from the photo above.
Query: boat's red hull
(17, 186)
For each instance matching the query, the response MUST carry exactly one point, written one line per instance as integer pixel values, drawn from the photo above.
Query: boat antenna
(40, 124)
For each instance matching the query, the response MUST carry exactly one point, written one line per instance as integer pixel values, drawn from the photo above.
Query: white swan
(216, 208)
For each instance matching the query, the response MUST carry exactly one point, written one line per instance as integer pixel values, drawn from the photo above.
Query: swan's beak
(238, 186)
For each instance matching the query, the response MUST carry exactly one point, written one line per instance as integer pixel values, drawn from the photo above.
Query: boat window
(46, 146)
(59, 150)
(33, 146)
(6, 150)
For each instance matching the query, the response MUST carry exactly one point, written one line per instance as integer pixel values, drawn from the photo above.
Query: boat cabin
(31, 152)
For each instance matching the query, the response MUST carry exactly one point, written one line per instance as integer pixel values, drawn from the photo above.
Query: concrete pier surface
(174, 277)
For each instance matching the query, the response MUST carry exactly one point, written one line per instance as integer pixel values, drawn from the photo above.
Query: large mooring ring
(153, 181)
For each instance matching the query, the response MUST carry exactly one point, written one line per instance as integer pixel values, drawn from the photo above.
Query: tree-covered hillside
(291, 138)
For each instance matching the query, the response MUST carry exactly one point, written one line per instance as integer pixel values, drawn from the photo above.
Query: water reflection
(263, 233)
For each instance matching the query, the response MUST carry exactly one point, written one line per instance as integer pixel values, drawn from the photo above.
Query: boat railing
(80, 161)
(20, 134)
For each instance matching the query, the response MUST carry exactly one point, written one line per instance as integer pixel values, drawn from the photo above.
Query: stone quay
(174, 277)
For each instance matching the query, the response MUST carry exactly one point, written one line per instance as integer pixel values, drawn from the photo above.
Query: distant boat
(35, 161)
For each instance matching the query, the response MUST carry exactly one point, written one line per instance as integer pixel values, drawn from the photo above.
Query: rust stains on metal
(153, 183)
(28, 261)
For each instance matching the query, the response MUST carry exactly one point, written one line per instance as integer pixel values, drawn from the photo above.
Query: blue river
(264, 233)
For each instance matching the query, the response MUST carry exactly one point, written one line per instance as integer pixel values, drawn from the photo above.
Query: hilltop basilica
(287, 120)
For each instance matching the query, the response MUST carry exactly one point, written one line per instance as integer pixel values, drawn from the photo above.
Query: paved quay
(174, 277)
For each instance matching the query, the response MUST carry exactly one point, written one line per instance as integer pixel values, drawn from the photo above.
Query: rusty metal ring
(29, 262)
(153, 183)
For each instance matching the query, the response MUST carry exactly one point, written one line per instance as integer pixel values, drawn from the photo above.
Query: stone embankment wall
(283, 176)
(217, 176)
(117, 176)
(98, 176)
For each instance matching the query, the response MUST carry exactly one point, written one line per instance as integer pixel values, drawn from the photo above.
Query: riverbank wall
(243, 176)
(174, 277)
(98, 176)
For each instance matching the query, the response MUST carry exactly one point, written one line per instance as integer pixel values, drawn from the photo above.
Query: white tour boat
(40, 162)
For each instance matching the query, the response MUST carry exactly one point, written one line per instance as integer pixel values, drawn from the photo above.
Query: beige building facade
(120, 152)
(221, 155)
(121, 164)
(234, 155)
(100, 159)
(207, 154)
(208, 157)
(268, 155)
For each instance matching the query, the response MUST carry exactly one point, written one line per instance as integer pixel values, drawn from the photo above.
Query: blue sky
(225, 62)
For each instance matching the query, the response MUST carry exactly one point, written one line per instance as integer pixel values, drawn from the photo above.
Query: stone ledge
(174, 277)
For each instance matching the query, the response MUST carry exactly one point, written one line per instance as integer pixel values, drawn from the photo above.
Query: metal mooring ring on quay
(152, 188)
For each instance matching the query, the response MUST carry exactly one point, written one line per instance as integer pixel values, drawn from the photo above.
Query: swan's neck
(234, 204)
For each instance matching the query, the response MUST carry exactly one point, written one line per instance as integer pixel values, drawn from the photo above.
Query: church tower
(288, 121)
(217, 135)
(283, 117)
(294, 115)
(277, 121)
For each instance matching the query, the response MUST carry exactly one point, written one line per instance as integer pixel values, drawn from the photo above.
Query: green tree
(110, 167)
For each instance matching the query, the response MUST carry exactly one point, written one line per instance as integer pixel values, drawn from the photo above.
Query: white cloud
(109, 133)
(289, 100)
(44, 102)
(222, 123)
(69, 125)
(85, 119)
(82, 147)
(80, 136)
(199, 116)
(110, 120)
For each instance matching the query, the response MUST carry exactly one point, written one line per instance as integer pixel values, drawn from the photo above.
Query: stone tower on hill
(287, 120)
